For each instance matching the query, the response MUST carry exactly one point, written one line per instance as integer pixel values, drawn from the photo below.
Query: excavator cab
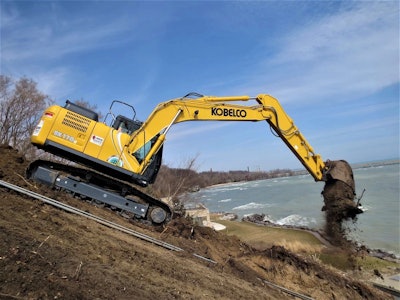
(129, 126)
(118, 121)
(126, 125)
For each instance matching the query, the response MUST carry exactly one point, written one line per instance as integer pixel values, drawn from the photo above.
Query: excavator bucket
(340, 170)
(339, 192)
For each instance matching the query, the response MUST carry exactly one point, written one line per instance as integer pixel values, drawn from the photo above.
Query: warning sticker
(97, 140)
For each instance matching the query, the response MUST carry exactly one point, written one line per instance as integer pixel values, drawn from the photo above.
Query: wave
(291, 220)
(295, 220)
(216, 190)
(251, 205)
(268, 218)
(225, 200)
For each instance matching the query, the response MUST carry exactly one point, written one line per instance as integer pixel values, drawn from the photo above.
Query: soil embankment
(46, 253)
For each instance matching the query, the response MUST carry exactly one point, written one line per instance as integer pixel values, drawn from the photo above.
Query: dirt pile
(46, 253)
(339, 200)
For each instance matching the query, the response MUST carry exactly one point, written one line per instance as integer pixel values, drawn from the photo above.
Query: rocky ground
(46, 253)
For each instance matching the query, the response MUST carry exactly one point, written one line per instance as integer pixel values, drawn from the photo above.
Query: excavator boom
(208, 108)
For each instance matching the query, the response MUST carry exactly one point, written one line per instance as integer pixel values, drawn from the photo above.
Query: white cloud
(54, 82)
(353, 52)
(42, 40)
(359, 131)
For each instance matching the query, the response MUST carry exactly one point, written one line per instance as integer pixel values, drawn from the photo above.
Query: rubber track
(102, 180)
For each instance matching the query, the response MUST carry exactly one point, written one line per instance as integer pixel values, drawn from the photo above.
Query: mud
(46, 253)
(340, 202)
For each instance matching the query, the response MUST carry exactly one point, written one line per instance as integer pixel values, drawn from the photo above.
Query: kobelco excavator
(127, 152)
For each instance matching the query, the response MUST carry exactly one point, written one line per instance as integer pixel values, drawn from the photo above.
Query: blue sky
(334, 66)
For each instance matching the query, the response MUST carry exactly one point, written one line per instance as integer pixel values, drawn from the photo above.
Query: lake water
(298, 201)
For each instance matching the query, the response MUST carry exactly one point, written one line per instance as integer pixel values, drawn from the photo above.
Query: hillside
(46, 253)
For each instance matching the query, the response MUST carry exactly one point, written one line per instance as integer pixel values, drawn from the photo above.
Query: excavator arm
(206, 108)
(339, 190)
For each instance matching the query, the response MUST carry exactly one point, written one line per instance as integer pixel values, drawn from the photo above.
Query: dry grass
(262, 237)
(302, 242)
(300, 247)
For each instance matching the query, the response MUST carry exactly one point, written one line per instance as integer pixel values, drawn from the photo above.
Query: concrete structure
(201, 216)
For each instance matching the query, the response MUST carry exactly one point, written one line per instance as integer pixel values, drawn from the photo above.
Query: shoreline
(318, 234)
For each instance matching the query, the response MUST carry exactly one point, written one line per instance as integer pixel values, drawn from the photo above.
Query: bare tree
(21, 105)
(173, 182)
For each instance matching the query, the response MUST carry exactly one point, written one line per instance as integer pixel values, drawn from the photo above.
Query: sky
(333, 65)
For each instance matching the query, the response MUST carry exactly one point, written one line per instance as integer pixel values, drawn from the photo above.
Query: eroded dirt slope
(46, 253)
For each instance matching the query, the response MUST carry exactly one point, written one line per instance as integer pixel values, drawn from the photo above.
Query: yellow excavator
(124, 152)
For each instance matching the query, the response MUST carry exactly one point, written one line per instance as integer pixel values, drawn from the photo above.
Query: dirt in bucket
(340, 200)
